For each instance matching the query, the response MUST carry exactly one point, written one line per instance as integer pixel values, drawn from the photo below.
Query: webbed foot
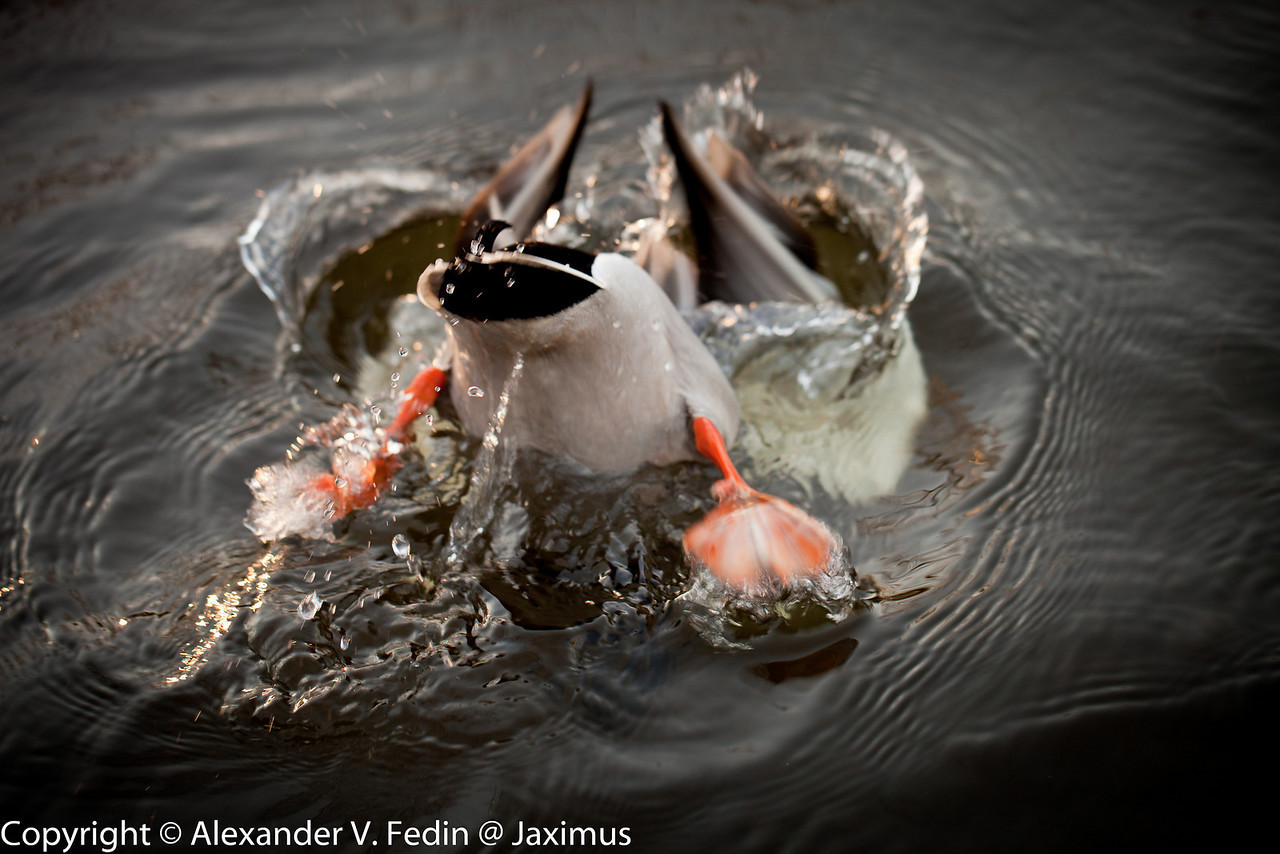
(752, 540)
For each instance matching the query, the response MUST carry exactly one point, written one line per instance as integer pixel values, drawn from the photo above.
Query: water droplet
(400, 545)
(337, 378)
(403, 352)
(344, 642)
(308, 607)
(448, 288)
(339, 482)
(475, 391)
(395, 377)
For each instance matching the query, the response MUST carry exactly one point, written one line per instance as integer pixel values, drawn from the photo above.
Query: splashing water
(490, 475)
(297, 236)
(808, 378)
(730, 618)
(284, 504)
(309, 606)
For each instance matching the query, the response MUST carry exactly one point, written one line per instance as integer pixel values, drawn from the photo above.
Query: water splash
(284, 500)
(490, 474)
(727, 110)
(309, 606)
(839, 173)
(284, 504)
(807, 377)
(731, 618)
(297, 235)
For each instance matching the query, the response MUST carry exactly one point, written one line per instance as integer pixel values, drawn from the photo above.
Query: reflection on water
(1068, 633)
(220, 610)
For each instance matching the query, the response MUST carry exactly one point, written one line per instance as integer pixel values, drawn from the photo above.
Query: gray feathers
(612, 381)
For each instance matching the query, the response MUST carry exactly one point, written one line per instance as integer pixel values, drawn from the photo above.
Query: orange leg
(422, 392)
(752, 538)
(356, 485)
(711, 445)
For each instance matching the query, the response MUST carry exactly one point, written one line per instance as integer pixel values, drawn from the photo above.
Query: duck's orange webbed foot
(355, 484)
(421, 394)
(752, 539)
(358, 479)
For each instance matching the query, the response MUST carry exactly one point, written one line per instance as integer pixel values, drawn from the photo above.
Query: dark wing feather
(741, 256)
(532, 180)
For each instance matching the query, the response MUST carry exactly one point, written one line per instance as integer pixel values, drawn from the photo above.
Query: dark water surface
(1078, 635)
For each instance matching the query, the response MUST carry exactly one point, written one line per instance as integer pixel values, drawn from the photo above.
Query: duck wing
(750, 247)
(532, 180)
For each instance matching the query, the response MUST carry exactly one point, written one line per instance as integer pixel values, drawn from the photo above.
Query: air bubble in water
(400, 545)
(475, 391)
